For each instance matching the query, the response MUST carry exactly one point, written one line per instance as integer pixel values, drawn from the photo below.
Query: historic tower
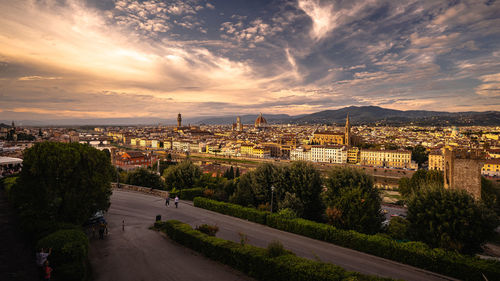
(462, 170)
(239, 126)
(347, 133)
(179, 120)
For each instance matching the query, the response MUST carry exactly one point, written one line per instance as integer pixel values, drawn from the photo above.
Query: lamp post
(272, 197)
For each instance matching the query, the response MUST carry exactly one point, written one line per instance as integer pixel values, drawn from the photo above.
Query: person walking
(176, 200)
(102, 228)
(41, 258)
(167, 200)
(123, 225)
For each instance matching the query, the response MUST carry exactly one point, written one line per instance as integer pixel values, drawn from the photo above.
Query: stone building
(462, 170)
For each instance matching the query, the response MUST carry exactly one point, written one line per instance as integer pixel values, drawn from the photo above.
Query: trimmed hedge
(188, 194)
(234, 210)
(412, 253)
(255, 261)
(69, 254)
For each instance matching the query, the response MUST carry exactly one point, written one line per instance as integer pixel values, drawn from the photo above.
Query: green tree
(450, 219)
(419, 154)
(237, 173)
(304, 181)
(183, 175)
(63, 182)
(490, 194)
(398, 228)
(352, 201)
(243, 195)
(261, 181)
(419, 180)
(146, 178)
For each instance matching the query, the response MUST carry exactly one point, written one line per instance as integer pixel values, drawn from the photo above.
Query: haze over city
(128, 59)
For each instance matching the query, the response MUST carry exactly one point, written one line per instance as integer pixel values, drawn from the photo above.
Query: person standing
(123, 225)
(102, 228)
(47, 270)
(41, 258)
(167, 200)
(176, 201)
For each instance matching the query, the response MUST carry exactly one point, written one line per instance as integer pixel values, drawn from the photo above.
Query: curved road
(149, 256)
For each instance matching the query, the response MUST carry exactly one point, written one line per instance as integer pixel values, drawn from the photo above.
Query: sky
(131, 58)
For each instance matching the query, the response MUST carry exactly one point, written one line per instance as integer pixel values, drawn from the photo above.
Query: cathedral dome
(260, 121)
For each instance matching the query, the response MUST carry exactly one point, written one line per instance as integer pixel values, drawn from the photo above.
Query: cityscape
(249, 140)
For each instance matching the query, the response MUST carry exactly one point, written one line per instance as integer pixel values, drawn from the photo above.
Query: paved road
(139, 211)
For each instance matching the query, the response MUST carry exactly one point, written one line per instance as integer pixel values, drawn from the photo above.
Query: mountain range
(358, 115)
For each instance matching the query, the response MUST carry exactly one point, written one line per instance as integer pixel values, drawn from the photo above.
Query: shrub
(255, 261)
(208, 229)
(398, 228)
(275, 249)
(231, 209)
(69, 254)
(8, 183)
(188, 194)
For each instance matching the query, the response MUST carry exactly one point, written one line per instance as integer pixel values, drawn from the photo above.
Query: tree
(419, 180)
(490, 194)
(237, 173)
(398, 228)
(352, 201)
(183, 175)
(450, 219)
(65, 182)
(261, 181)
(419, 154)
(243, 194)
(304, 181)
(144, 177)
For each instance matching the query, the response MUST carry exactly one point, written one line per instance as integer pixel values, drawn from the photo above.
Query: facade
(134, 159)
(436, 160)
(239, 125)
(300, 154)
(491, 168)
(386, 158)
(353, 155)
(260, 122)
(462, 170)
(328, 137)
(329, 154)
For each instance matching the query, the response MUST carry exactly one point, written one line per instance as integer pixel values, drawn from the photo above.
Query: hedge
(413, 253)
(255, 261)
(188, 194)
(234, 210)
(69, 254)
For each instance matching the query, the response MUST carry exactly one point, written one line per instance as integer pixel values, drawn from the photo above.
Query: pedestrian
(176, 200)
(123, 225)
(41, 258)
(101, 230)
(167, 200)
(47, 270)
(93, 231)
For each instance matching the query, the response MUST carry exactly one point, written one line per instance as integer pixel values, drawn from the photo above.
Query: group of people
(102, 227)
(44, 270)
(176, 201)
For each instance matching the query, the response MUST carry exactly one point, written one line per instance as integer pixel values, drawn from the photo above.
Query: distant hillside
(357, 114)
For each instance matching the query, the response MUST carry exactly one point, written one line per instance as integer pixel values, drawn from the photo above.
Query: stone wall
(141, 189)
(462, 173)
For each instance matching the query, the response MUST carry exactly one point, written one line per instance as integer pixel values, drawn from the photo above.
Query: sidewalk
(17, 259)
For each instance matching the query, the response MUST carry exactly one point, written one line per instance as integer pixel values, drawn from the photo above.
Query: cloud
(29, 78)
(490, 85)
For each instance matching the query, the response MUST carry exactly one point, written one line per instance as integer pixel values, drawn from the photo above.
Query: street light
(272, 197)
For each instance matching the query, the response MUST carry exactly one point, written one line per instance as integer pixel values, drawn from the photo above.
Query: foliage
(187, 194)
(421, 179)
(287, 213)
(413, 253)
(183, 175)
(398, 228)
(231, 209)
(208, 229)
(164, 164)
(450, 219)
(7, 183)
(302, 180)
(229, 173)
(419, 154)
(490, 194)
(352, 200)
(291, 202)
(69, 254)
(146, 178)
(275, 249)
(243, 195)
(66, 182)
(255, 261)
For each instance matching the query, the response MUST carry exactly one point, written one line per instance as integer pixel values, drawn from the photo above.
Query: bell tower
(179, 120)
(347, 133)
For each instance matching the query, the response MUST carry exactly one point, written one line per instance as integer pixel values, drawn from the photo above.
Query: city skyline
(131, 59)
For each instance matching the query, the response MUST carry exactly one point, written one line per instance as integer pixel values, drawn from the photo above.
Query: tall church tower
(347, 133)
(239, 126)
(179, 120)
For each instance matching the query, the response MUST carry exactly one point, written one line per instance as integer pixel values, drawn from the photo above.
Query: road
(140, 249)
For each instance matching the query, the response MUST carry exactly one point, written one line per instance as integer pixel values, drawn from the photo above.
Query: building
(179, 120)
(353, 155)
(436, 160)
(491, 168)
(300, 154)
(260, 122)
(239, 125)
(328, 137)
(329, 154)
(131, 159)
(387, 158)
(462, 170)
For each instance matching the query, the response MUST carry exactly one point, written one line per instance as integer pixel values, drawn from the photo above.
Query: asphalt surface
(142, 254)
